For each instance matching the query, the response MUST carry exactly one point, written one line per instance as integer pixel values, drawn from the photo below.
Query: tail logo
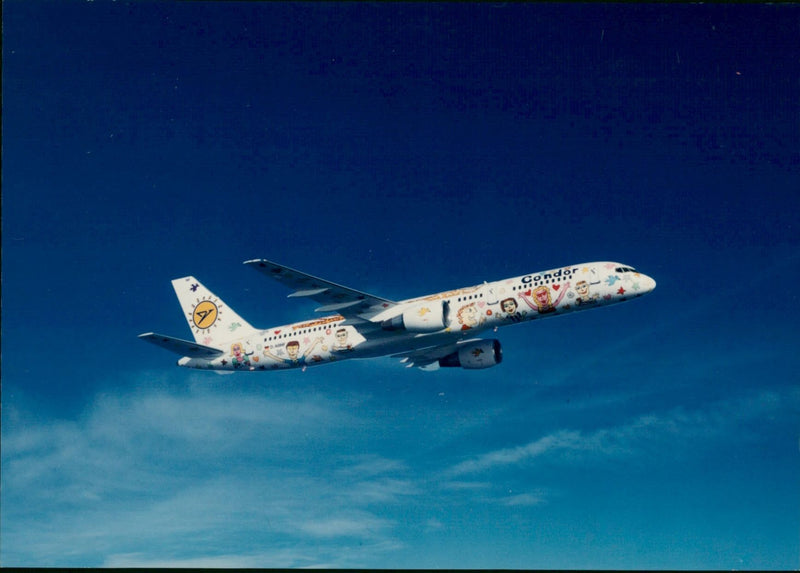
(205, 314)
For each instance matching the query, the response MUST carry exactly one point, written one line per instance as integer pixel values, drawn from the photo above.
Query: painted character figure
(341, 344)
(293, 350)
(542, 302)
(509, 306)
(238, 356)
(468, 316)
(582, 290)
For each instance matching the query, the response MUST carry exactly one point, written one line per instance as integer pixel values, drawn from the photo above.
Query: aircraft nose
(649, 283)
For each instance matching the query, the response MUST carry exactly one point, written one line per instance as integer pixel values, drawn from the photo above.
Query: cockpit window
(624, 270)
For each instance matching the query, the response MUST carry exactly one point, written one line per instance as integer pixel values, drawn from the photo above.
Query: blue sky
(401, 149)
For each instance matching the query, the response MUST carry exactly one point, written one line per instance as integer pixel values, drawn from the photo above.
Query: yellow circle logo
(205, 314)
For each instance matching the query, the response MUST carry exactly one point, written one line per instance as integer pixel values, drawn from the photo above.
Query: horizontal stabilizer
(182, 347)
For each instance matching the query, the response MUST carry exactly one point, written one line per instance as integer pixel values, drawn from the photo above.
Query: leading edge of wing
(180, 346)
(333, 297)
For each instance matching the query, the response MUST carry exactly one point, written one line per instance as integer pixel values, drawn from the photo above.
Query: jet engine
(475, 355)
(423, 317)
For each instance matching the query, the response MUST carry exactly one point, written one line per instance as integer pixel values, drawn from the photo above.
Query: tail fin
(211, 320)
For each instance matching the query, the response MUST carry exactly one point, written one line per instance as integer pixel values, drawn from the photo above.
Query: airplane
(428, 332)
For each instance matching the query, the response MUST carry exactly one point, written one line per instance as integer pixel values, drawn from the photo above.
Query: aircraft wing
(182, 347)
(427, 358)
(333, 297)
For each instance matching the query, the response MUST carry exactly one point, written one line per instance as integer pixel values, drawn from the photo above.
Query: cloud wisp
(645, 432)
(263, 477)
(169, 477)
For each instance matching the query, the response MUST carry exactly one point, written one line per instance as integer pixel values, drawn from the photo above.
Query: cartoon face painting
(238, 356)
(582, 290)
(509, 306)
(293, 349)
(341, 340)
(468, 316)
(293, 352)
(542, 302)
(542, 297)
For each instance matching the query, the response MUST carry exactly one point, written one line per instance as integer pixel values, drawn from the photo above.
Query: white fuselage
(468, 311)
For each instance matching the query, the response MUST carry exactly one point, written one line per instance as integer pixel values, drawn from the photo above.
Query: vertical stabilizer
(211, 320)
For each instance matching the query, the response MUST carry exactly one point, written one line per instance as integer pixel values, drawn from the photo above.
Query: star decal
(194, 287)
(621, 290)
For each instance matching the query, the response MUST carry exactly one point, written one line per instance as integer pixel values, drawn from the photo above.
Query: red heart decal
(277, 332)
(527, 292)
(556, 287)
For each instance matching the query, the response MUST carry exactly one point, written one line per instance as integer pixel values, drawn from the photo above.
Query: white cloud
(265, 477)
(524, 500)
(138, 560)
(357, 524)
(679, 426)
(466, 485)
(506, 456)
(181, 477)
(370, 465)
(433, 524)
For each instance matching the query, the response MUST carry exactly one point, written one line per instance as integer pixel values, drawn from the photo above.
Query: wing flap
(339, 307)
(180, 346)
(311, 292)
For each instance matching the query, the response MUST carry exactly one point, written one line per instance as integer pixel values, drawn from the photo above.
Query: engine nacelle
(475, 355)
(423, 317)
